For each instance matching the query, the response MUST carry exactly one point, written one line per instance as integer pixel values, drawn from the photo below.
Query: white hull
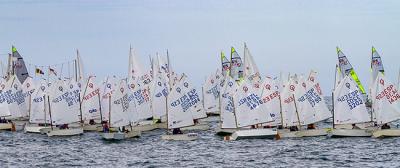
(143, 128)
(209, 119)
(200, 127)
(162, 125)
(180, 137)
(34, 128)
(254, 134)
(285, 133)
(382, 133)
(120, 135)
(66, 132)
(337, 133)
(92, 127)
(225, 131)
(6, 126)
(312, 132)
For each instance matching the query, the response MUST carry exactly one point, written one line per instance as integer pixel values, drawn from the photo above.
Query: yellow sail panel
(355, 77)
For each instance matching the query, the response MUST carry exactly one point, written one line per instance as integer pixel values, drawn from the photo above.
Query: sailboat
(211, 90)
(63, 102)
(227, 124)
(349, 108)
(39, 117)
(196, 106)
(385, 106)
(249, 112)
(179, 112)
(122, 113)
(139, 82)
(4, 106)
(311, 106)
(91, 115)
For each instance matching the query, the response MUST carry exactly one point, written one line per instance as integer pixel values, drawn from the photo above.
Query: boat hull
(285, 133)
(312, 132)
(382, 133)
(6, 126)
(120, 135)
(254, 134)
(65, 132)
(181, 137)
(34, 128)
(339, 133)
(143, 128)
(225, 131)
(198, 127)
(92, 127)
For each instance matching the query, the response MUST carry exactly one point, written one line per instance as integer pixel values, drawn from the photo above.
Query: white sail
(16, 99)
(228, 119)
(194, 99)
(248, 106)
(4, 110)
(64, 102)
(28, 89)
(387, 101)
(90, 102)
(179, 114)
(271, 101)
(289, 113)
(348, 103)
(80, 70)
(250, 67)
(107, 90)
(39, 112)
(141, 97)
(159, 96)
(236, 71)
(122, 108)
(311, 106)
(211, 93)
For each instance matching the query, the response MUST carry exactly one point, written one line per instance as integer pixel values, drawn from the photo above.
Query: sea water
(19, 149)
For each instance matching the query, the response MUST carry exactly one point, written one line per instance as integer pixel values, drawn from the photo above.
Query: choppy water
(89, 150)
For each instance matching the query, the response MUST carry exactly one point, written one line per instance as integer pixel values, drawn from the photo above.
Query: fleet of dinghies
(248, 105)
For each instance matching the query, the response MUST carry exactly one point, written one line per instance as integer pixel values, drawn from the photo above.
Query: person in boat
(64, 126)
(176, 131)
(106, 128)
(311, 126)
(385, 126)
(294, 128)
(91, 122)
(354, 126)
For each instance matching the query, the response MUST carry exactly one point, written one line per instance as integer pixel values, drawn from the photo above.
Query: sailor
(294, 128)
(105, 127)
(385, 126)
(355, 126)
(91, 122)
(176, 131)
(311, 126)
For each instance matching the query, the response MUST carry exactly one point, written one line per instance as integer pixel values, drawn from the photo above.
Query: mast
(44, 110)
(109, 110)
(297, 112)
(80, 102)
(51, 121)
(101, 114)
(333, 98)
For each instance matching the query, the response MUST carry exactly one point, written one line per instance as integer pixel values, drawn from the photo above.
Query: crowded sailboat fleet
(245, 104)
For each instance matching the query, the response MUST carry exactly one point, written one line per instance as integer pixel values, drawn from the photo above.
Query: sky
(288, 36)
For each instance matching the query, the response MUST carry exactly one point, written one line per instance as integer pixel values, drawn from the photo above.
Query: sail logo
(291, 87)
(270, 97)
(390, 93)
(311, 96)
(252, 101)
(267, 86)
(353, 99)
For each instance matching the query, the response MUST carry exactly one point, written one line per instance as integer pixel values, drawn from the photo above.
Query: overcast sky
(282, 35)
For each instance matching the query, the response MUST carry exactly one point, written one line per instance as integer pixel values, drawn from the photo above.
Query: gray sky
(282, 35)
